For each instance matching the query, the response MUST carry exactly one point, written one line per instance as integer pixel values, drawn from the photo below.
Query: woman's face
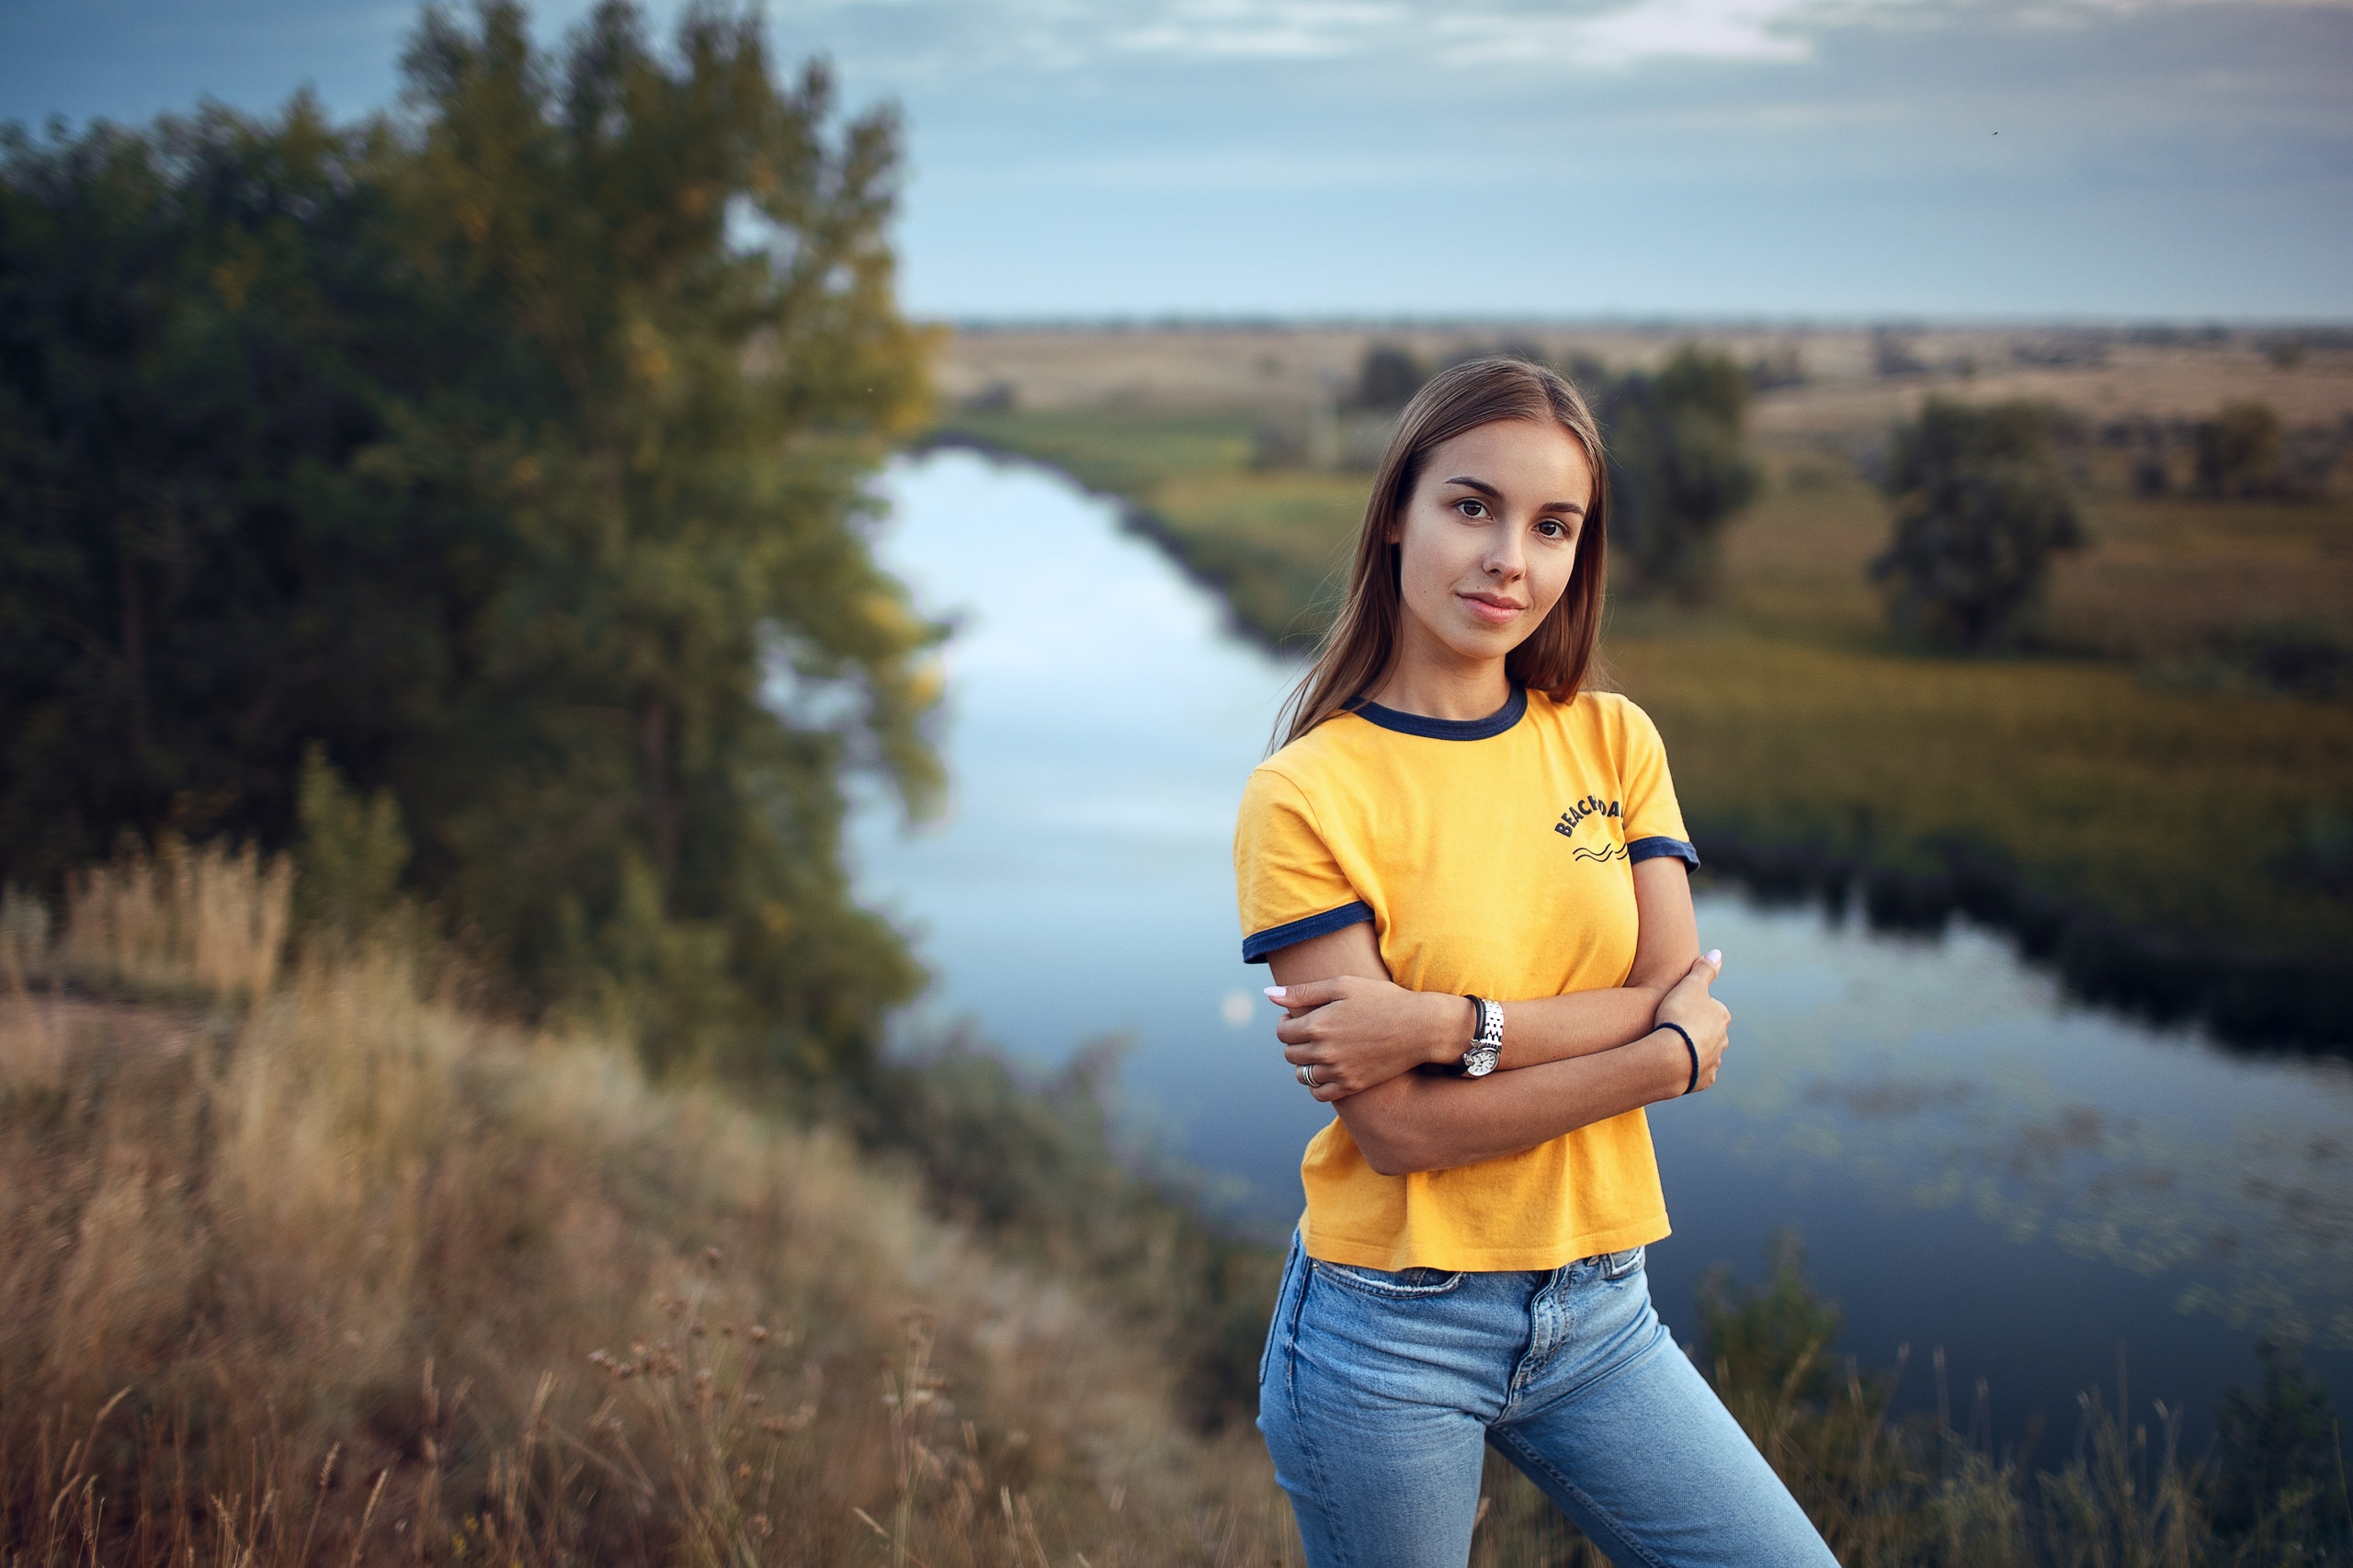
(1488, 539)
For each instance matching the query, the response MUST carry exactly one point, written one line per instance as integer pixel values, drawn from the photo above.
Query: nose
(1506, 561)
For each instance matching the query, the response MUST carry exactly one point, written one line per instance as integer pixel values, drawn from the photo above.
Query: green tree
(1678, 467)
(1388, 377)
(350, 853)
(1980, 507)
(183, 390)
(514, 448)
(2239, 450)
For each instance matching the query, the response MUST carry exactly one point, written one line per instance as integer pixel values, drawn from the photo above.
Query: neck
(1439, 683)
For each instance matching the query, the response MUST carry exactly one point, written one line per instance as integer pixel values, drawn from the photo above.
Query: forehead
(1519, 457)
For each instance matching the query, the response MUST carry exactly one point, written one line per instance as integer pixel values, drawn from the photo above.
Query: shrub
(2295, 658)
(2239, 450)
(351, 852)
(1981, 506)
(2282, 1490)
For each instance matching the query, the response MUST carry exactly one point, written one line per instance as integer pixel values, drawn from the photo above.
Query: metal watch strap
(1486, 1039)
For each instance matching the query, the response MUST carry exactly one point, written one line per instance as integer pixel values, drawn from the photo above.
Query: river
(1974, 1164)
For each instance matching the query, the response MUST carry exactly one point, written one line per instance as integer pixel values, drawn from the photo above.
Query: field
(2132, 797)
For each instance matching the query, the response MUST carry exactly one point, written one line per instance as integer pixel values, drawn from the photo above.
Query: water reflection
(1100, 725)
(1972, 1161)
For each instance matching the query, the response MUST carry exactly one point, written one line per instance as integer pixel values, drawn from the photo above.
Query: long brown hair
(1556, 656)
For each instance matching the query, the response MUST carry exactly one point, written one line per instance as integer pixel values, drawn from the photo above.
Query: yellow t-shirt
(1494, 858)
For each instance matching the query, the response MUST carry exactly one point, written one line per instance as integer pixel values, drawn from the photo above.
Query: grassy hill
(320, 1264)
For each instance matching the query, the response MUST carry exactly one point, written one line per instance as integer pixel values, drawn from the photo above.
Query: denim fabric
(1378, 1392)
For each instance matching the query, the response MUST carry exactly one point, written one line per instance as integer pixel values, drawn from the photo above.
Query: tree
(1388, 377)
(1678, 466)
(2239, 450)
(1980, 507)
(512, 448)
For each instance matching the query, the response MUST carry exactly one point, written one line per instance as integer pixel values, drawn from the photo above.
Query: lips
(1495, 610)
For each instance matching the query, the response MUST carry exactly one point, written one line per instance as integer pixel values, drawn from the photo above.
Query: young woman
(1471, 877)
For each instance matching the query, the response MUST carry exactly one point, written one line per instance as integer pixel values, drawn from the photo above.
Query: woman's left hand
(1358, 1033)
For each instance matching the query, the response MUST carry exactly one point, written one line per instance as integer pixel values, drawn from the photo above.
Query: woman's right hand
(1705, 1019)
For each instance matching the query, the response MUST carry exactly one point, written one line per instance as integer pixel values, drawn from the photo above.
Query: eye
(1472, 506)
(1552, 528)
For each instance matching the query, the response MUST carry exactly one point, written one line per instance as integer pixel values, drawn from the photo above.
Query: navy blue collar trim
(1494, 724)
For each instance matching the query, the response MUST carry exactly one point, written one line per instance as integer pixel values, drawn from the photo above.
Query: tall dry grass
(213, 923)
(307, 1264)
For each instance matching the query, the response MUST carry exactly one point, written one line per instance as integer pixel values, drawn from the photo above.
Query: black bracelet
(1690, 1044)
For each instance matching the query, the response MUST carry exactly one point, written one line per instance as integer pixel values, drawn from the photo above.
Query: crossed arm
(1567, 1061)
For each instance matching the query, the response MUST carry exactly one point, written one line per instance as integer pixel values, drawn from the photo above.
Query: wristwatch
(1487, 1042)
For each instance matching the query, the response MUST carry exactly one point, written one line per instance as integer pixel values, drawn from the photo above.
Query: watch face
(1478, 1060)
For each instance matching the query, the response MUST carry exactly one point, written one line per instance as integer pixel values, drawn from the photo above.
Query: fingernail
(1716, 957)
(1275, 992)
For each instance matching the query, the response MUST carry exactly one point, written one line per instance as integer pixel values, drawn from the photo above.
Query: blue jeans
(1378, 1392)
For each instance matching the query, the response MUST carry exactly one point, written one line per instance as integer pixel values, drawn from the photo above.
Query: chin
(1488, 642)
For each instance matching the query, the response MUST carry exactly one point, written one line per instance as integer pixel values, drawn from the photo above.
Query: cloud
(1727, 30)
(1066, 36)
(1497, 32)
(1265, 29)
(1062, 35)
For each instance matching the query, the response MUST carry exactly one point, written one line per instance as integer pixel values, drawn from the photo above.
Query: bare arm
(1360, 1030)
(1413, 1121)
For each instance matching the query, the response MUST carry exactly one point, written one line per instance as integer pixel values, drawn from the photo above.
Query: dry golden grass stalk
(208, 920)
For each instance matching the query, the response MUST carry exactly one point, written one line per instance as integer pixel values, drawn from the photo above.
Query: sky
(1827, 160)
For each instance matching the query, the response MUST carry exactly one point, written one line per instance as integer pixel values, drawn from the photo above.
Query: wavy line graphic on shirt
(1604, 856)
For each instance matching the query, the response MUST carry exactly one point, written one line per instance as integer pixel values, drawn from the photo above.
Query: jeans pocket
(1621, 1265)
(1411, 1284)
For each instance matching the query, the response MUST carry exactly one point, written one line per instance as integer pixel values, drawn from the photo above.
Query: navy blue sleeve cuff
(1259, 945)
(1652, 849)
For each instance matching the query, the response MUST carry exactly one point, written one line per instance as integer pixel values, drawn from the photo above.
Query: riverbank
(2173, 838)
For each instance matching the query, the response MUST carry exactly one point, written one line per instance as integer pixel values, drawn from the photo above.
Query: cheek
(1431, 560)
(1554, 576)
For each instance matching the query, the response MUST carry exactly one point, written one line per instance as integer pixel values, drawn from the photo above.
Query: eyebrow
(1492, 493)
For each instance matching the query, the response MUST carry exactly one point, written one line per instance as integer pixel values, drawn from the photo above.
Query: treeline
(505, 456)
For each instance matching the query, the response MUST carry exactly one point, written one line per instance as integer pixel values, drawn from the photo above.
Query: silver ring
(1306, 1075)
